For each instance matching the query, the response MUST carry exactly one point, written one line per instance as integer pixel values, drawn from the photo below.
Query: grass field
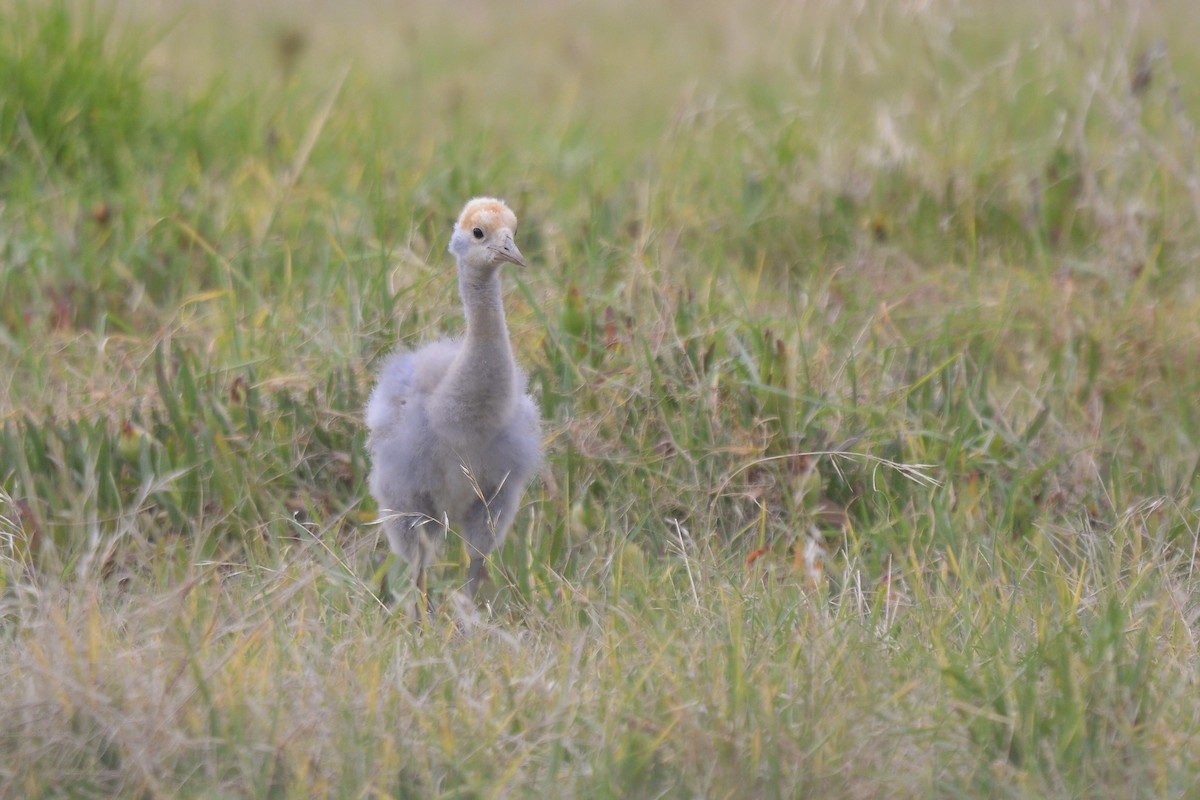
(867, 336)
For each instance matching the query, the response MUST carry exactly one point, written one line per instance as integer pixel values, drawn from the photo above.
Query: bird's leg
(475, 574)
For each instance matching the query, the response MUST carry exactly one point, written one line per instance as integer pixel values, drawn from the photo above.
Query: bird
(454, 437)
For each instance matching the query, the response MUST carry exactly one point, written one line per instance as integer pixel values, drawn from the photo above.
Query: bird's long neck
(484, 308)
(478, 395)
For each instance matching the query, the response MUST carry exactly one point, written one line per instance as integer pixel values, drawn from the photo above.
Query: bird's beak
(507, 251)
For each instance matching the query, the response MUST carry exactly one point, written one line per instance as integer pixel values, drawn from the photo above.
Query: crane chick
(453, 435)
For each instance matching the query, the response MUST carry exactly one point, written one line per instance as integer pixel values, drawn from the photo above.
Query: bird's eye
(477, 233)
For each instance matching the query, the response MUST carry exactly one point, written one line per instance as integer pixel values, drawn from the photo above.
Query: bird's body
(453, 436)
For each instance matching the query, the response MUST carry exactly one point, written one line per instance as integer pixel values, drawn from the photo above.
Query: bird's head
(483, 235)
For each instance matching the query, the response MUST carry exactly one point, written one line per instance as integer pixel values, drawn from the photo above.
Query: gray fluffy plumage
(453, 435)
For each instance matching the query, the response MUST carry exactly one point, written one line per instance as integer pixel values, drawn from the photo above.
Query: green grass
(867, 343)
